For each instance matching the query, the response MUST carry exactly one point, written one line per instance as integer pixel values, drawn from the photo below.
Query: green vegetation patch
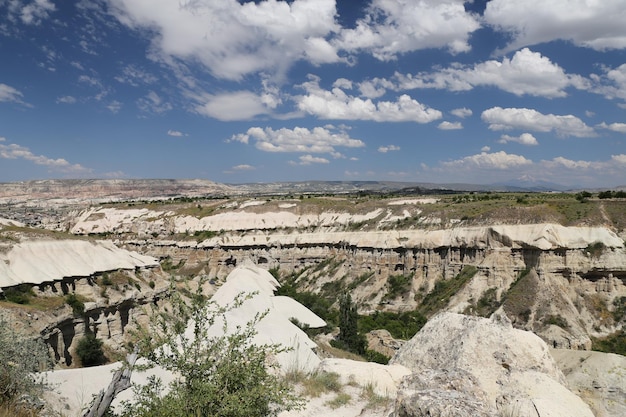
(521, 296)
(615, 343)
(398, 285)
(400, 325)
(440, 296)
(20, 294)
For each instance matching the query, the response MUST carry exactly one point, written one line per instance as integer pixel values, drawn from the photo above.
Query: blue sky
(406, 90)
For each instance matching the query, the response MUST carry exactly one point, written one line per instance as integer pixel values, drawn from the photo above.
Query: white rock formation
(36, 262)
(471, 366)
(598, 378)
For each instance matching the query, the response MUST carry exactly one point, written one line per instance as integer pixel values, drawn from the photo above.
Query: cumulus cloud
(462, 112)
(299, 139)
(484, 167)
(310, 159)
(526, 73)
(524, 139)
(232, 39)
(497, 160)
(529, 119)
(612, 83)
(336, 104)
(615, 127)
(389, 148)
(393, 27)
(14, 151)
(593, 24)
(237, 105)
(445, 125)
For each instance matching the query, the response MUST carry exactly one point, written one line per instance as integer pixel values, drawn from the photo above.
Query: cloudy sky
(240, 91)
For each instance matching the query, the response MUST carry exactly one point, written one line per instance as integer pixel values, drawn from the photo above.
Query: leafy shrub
(398, 285)
(20, 358)
(20, 294)
(89, 350)
(78, 307)
(595, 249)
(400, 325)
(221, 376)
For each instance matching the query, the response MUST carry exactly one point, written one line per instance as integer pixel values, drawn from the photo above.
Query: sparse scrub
(374, 400)
(595, 249)
(521, 296)
(20, 358)
(615, 343)
(439, 297)
(398, 285)
(340, 400)
(556, 320)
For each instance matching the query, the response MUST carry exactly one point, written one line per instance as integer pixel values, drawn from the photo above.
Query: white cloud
(176, 133)
(524, 139)
(484, 167)
(135, 76)
(243, 167)
(66, 100)
(462, 112)
(612, 83)
(393, 27)
(237, 105)
(232, 39)
(336, 104)
(153, 103)
(389, 148)
(497, 160)
(445, 125)
(528, 119)
(10, 94)
(615, 127)
(310, 159)
(526, 73)
(14, 151)
(114, 106)
(299, 139)
(30, 13)
(593, 24)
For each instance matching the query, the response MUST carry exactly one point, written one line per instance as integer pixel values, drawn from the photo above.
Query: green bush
(20, 294)
(89, 350)
(20, 358)
(400, 325)
(78, 307)
(218, 376)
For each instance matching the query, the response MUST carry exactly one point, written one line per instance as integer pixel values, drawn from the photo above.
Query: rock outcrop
(48, 261)
(471, 366)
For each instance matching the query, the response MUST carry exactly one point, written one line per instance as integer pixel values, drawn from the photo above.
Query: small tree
(89, 350)
(349, 335)
(222, 376)
(20, 358)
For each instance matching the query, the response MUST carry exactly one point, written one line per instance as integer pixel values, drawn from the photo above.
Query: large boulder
(599, 378)
(465, 365)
